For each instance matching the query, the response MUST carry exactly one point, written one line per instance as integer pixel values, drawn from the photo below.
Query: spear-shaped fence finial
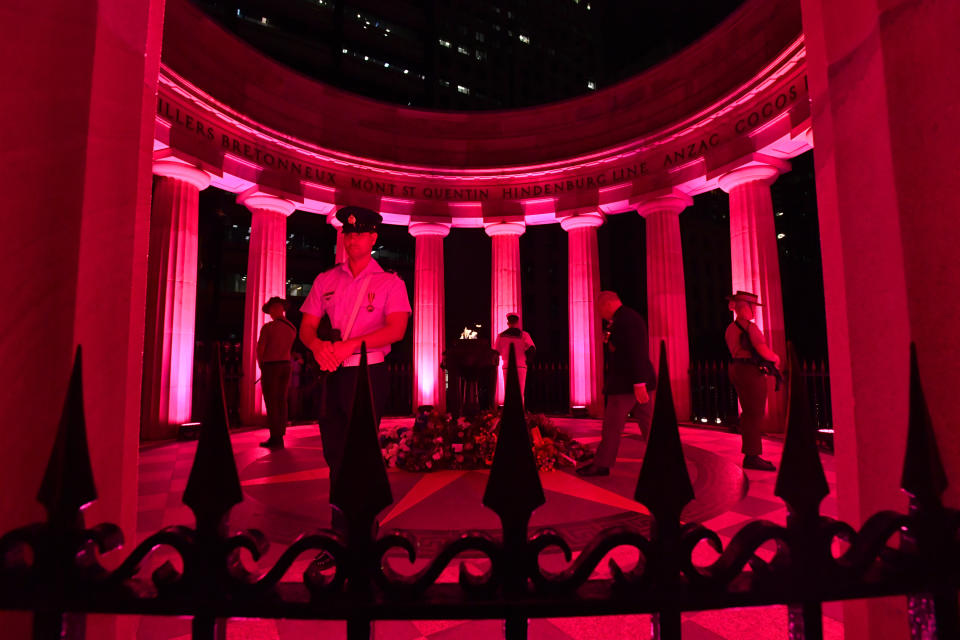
(664, 484)
(923, 478)
(801, 482)
(361, 488)
(213, 487)
(68, 485)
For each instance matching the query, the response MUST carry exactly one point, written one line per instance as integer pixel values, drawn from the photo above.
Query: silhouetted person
(747, 347)
(273, 356)
(629, 378)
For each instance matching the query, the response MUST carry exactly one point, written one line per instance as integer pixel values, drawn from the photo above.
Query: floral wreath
(439, 441)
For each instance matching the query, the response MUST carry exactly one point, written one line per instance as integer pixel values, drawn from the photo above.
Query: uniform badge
(370, 297)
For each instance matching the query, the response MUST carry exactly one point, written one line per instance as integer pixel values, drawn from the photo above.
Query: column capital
(581, 221)
(674, 203)
(255, 199)
(169, 168)
(494, 229)
(757, 172)
(418, 229)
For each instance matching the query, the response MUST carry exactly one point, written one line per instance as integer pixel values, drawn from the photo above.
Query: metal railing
(714, 400)
(548, 387)
(52, 568)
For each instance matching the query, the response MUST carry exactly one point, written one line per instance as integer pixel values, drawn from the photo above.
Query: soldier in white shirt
(364, 304)
(522, 344)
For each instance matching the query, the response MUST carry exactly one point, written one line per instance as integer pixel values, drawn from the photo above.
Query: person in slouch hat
(748, 347)
(273, 357)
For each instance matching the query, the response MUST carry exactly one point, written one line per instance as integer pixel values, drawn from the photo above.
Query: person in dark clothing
(629, 379)
(747, 345)
(273, 357)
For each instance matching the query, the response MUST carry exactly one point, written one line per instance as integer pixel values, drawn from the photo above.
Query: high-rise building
(468, 54)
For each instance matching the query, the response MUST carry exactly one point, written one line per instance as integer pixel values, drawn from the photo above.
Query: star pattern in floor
(285, 493)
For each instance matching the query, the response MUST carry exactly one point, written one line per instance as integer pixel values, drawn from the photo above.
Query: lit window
(445, 43)
(781, 236)
(524, 39)
(462, 89)
(386, 65)
(779, 213)
(588, 6)
(591, 85)
(366, 58)
(481, 55)
(238, 13)
(344, 51)
(463, 51)
(263, 20)
(479, 37)
(406, 71)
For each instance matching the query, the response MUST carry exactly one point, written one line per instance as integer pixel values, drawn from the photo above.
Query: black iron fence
(52, 568)
(713, 400)
(400, 399)
(548, 387)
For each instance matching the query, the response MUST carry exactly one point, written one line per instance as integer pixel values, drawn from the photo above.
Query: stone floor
(285, 492)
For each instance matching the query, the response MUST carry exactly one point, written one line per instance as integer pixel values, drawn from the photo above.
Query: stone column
(504, 282)
(171, 299)
(428, 314)
(76, 184)
(586, 356)
(666, 293)
(754, 263)
(887, 202)
(266, 277)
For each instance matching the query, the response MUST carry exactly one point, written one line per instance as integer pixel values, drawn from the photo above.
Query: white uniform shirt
(521, 344)
(335, 290)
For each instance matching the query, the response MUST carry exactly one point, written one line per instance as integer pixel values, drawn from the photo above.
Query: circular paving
(285, 493)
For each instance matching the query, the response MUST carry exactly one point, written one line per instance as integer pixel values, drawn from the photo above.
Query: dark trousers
(618, 406)
(335, 409)
(274, 380)
(751, 386)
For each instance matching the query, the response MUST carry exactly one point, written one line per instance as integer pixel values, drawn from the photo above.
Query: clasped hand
(329, 355)
(641, 394)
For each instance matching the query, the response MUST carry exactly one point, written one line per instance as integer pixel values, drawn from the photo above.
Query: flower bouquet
(438, 441)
